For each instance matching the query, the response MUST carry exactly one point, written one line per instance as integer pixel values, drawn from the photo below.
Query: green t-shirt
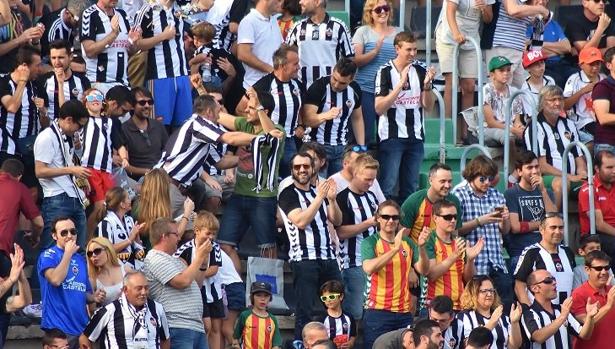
(246, 181)
(260, 332)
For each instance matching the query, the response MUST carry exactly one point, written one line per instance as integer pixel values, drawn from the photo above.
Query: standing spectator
(306, 210)
(105, 270)
(527, 202)
(441, 311)
(389, 252)
(593, 28)
(133, 310)
(602, 94)
(344, 176)
(144, 136)
(403, 94)
(322, 41)
(578, 93)
(342, 327)
(373, 46)
(53, 153)
(596, 290)
(71, 84)
(61, 25)
(14, 35)
(10, 302)
(258, 37)
(485, 215)
(65, 288)
(548, 325)
(173, 284)
(330, 104)
(319, 155)
(604, 177)
(418, 207)
(547, 254)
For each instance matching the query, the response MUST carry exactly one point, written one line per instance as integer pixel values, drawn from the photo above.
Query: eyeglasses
(300, 166)
(547, 281)
(330, 297)
(600, 268)
(143, 102)
(95, 252)
(488, 291)
(449, 217)
(387, 217)
(383, 9)
(94, 97)
(484, 179)
(359, 148)
(65, 232)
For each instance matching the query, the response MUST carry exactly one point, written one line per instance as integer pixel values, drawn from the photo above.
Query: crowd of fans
(141, 141)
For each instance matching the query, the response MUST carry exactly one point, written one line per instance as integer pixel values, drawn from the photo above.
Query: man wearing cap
(593, 28)
(578, 93)
(534, 65)
(257, 327)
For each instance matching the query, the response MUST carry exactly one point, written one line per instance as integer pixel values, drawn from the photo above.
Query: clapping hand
(474, 251)
(515, 312)
(423, 236)
(591, 309)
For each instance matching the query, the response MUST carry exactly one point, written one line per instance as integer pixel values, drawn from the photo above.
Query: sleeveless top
(113, 292)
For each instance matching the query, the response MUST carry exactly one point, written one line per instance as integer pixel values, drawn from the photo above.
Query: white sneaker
(34, 310)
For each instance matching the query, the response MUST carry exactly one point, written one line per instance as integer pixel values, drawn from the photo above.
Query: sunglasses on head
(547, 281)
(448, 217)
(384, 9)
(64, 233)
(359, 148)
(600, 268)
(94, 97)
(387, 217)
(300, 166)
(143, 102)
(330, 297)
(95, 252)
(484, 179)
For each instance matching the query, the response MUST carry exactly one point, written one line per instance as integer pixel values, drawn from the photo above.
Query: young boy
(340, 325)
(587, 244)
(213, 65)
(257, 328)
(205, 229)
(534, 64)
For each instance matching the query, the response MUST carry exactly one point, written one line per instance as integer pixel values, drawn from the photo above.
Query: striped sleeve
(163, 323)
(99, 322)
(574, 327)
(530, 322)
(204, 132)
(88, 24)
(383, 82)
(291, 38)
(104, 230)
(345, 41)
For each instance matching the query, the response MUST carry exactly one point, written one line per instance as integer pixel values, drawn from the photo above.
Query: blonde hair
(367, 12)
(155, 200)
(206, 220)
(111, 256)
(469, 297)
(365, 161)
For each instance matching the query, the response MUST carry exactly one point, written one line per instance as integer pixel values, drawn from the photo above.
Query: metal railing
(590, 183)
(455, 89)
(427, 31)
(441, 111)
(466, 151)
(508, 114)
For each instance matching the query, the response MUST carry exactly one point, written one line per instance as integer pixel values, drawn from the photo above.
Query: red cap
(532, 56)
(590, 55)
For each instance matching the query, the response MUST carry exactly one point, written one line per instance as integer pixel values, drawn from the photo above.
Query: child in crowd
(206, 227)
(340, 325)
(587, 243)
(257, 328)
(290, 9)
(534, 64)
(213, 65)
(234, 295)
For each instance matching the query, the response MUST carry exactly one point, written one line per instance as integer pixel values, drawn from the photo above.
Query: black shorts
(213, 310)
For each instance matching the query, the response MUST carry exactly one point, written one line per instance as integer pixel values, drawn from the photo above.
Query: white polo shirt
(48, 150)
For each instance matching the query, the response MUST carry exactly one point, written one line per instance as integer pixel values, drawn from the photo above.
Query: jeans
(370, 118)
(335, 155)
(400, 156)
(182, 338)
(290, 149)
(307, 278)
(5, 320)
(242, 212)
(58, 206)
(378, 322)
(354, 292)
(504, 284)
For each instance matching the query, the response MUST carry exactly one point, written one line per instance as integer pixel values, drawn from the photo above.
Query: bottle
(206, 75)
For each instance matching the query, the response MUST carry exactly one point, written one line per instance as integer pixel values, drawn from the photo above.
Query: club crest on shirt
(556, 136)
(75, 92)
(567, 135)
(404, 253)
(101, 68)
(559, 267)
(269, 328)
(345, 327)
(295, 91)
(329, 33)
(452, 342)
(349, 103)
(75, 269)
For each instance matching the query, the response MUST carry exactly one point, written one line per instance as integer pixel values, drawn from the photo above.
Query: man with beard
(427, 335)
(62, 78)
(305, 210)
(145, 136)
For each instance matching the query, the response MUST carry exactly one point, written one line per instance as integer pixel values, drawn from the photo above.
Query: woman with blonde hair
(373, 46)
(483, 307)
(105, 271)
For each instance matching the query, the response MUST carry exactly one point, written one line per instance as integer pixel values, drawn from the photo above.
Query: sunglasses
(449, 217)
(64, 233)
(387, 217)
(300, 166)
(359, 148)
(383, 9)
(145, 101)
(94, 97)
(600, 268)
(488, 291)
(547, 281)
(331, 297)
(484, 179)
(95, 252)
(599, 1)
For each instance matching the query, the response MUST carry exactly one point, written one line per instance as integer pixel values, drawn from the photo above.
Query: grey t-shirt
(468, 21)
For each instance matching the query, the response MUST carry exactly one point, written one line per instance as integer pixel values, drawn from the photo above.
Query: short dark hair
(59, 219)
(480, 337)
(203, 103)
(266, 100)
(442, 304)
(140, 91)
(608, 55)
(423, 327)
(303, 155)
(588, 239)
(599, 157)
(481, 165)
(60, 44)
(524, 157)
(404, 36)
(13, 167)
(121, 94)
(438, 206)
(25, 55)
(596, 255)
(316, 147)
(292, 6)
(213, 88)
(438, 166)
(52, 334)
(74, 109)
(332, 286)
(346, 67)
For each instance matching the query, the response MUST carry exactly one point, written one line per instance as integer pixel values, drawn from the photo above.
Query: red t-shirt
(602, 336)
(603, 201)
(17, 199)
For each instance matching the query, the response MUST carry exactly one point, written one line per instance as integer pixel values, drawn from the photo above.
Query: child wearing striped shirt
(340, 325)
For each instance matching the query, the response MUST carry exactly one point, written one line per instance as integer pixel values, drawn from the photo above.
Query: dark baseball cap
(259, 286)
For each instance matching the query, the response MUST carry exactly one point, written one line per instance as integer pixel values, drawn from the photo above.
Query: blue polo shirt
(553, 33)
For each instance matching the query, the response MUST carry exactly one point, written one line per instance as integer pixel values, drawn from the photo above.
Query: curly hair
(469, 297)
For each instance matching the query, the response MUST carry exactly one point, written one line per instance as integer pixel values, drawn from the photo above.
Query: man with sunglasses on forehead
(548, 325)
(550, 255)
(65, 287)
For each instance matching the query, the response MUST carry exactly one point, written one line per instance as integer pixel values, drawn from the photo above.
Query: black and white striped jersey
(212, 286)
(356, 208)
(120, 325)
(109, 65)
(188, 149)
(221, 15)
(55, 29)
(453, 336)
(74, 87)
(313, 242)
(215, 155)
(320, 46)
(215, 54)
(536, 317)
(287, 97)
(25, 121)
(168, 58)
(321, 94)
(344, 325)
(472, 319)
(100, 136)
(404, 119)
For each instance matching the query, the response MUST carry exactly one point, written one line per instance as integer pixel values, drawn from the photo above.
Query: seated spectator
(118, 101)
(587, 244)
(132, 309)
(249, 327)
(234, 292)
(604, 210)
(397, 339)
(427, 335)
(479, 338)
(602, 95)
(61, 24)
(552, 325)
(553, 134)
(105, 270)
(441, 311)
(482, 307)
(332, 294)
(578, 93)
(312, 332)
(54, 339)
(592, 28)
(9, 301)
(144, 136)
(527, 201)
(534, 64)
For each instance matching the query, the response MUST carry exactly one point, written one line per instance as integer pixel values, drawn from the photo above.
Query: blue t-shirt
(553, 33)
(64, 307)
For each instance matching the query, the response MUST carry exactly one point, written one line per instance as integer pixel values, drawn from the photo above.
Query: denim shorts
(242, 212)
(235, 296)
